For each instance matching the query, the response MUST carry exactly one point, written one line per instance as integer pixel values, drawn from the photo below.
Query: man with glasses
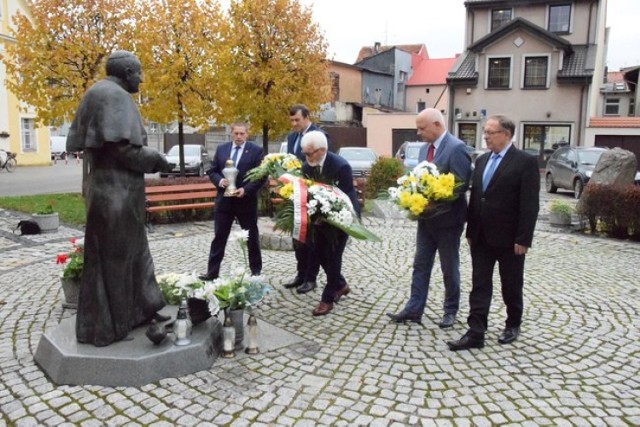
(503, 210)
(328, 241)
(307, 265)
(441, 233)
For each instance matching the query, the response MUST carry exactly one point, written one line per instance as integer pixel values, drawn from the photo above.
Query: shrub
(560, 207)
(613, 209)
(384, 173)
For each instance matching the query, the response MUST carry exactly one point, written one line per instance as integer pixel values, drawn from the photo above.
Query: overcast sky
(350, 24)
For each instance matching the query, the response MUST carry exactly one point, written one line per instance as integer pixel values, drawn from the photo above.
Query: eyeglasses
(491, 132)
(311, 153)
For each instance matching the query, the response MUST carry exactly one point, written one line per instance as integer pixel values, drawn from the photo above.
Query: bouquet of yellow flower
(422, 191)
(274, 165)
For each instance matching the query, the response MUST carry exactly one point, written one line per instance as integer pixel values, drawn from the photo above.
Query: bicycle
(10, 163)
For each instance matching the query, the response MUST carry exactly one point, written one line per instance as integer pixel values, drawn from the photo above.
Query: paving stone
(570, 366)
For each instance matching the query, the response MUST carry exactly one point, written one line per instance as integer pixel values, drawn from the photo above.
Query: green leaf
(356, 230)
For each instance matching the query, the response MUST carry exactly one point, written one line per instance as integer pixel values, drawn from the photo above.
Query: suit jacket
(291, 142)
(451, 156)
(337, 172)
(251, 157)
(506, 213)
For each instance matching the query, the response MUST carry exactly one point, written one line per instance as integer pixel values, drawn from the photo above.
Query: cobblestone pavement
(576, 362)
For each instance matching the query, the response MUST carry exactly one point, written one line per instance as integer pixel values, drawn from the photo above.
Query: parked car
(196, 160)
(58, 147)
(360, 158)
(570, 168)
(408, 153)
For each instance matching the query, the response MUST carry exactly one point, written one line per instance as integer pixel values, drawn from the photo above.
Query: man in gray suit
(442, 232)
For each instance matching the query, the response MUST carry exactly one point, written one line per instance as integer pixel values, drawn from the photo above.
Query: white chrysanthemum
(240, 235)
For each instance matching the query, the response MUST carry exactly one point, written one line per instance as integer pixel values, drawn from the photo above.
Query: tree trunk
(265, 138)
(181, 147)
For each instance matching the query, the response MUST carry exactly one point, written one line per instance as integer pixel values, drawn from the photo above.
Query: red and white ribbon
(300, 217)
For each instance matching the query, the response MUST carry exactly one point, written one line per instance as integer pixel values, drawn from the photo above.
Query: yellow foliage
(180, 46)
(278, 59)
(60, 52)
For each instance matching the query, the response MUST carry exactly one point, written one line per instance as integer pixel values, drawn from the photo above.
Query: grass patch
(70, 206)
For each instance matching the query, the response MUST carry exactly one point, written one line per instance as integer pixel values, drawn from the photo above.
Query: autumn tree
(60, 52)
(179, 45)
(278, 59)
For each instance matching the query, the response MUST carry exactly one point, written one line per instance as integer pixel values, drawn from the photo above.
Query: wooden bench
(164, 198)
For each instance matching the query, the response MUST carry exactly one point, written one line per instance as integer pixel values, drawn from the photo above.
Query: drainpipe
(581, 117)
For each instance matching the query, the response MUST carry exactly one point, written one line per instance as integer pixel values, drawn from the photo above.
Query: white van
(58, 146)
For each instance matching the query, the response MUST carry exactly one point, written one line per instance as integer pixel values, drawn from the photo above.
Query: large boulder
(616, 166)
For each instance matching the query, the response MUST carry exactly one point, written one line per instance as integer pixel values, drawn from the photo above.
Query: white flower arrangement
(335, 206)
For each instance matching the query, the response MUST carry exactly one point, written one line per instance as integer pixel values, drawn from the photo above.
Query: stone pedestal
(132, 362)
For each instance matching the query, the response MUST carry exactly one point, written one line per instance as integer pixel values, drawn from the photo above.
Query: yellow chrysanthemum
(404, 199)
(292, 164)
(286, 191)
(417, 203)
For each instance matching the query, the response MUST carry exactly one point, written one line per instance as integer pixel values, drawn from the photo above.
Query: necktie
(296, 147)
(234, 156)
(491, 168)
(430, 152)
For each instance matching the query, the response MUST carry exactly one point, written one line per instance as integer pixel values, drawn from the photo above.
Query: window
(468, 132)
(632, 107)
(500, 17)
(611, 106)
(28, 135)
(542, 140)
(421, 106)
(535, 72)
(499, 73)
(559, 18)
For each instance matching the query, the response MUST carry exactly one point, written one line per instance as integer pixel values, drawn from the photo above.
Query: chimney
(376, 48)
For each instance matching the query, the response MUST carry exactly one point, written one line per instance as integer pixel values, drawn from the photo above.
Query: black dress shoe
(297, 281)
(404, 317)
(465, 343)
(509, 335)
(447, 321)
(207, 277)
(306, 287)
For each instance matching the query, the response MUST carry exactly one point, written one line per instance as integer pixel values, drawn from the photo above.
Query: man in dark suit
(442, 232)
(243, 207)
(503, 210)
(328, 241)
(307, 265)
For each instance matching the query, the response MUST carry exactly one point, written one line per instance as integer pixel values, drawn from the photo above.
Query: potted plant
(560, 212)
(47, 218)
(72, 272)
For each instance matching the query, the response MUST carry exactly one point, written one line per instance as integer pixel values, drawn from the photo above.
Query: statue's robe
(119, 289)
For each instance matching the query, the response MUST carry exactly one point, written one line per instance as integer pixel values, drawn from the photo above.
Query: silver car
(196, 160)
(360, 158)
